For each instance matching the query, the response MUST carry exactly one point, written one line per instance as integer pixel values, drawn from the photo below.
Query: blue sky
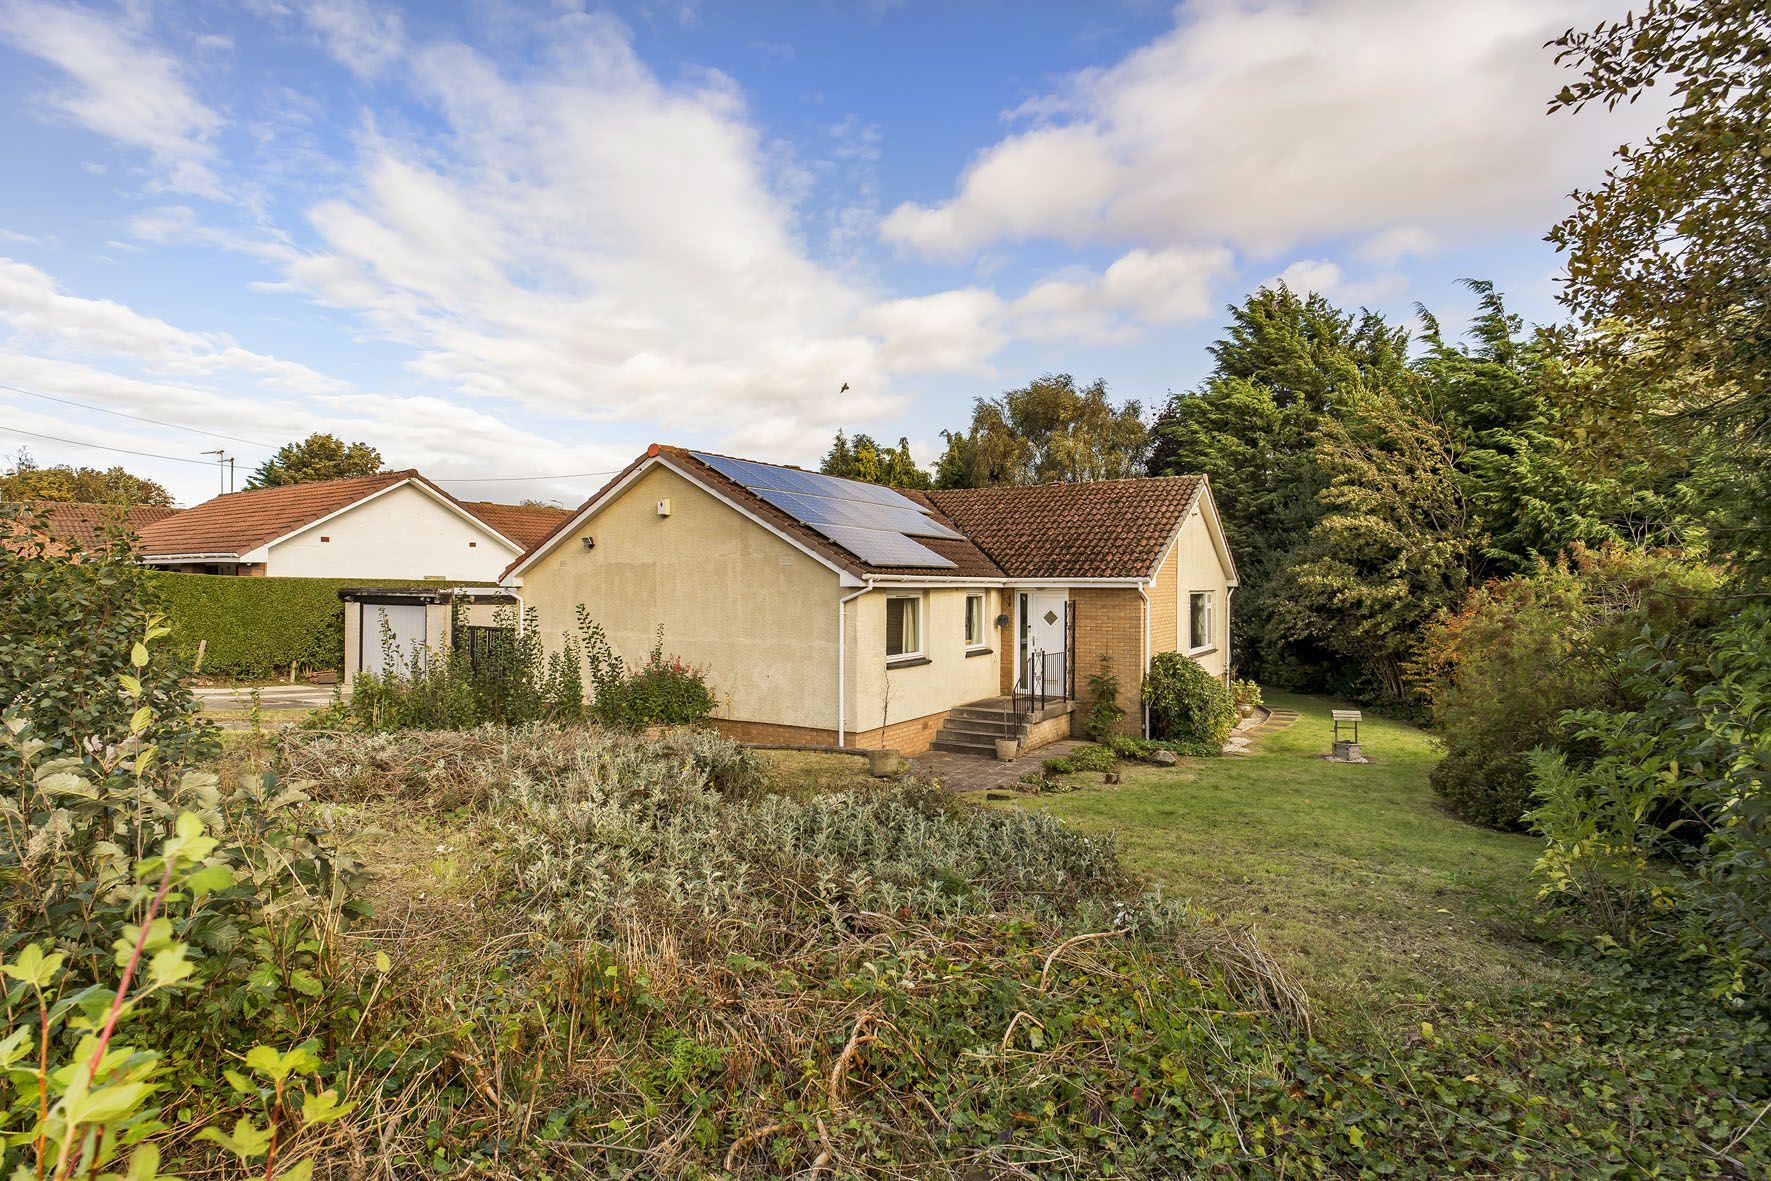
(504, 239)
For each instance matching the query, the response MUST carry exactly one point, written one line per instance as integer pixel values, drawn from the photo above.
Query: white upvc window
(1201, 621)
(975, 635)
(903, 638)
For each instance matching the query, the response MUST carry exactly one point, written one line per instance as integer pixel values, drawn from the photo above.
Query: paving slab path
(963, 773)
(270, 697)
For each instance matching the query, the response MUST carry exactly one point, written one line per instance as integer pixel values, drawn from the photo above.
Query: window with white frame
(974, 621)
(903, 627)
(1200, 621)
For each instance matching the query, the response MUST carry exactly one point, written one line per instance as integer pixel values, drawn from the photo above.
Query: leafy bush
(241, 912)
(71, 625)
(662, 692)
(258, 627)
(1104, 711)
(1187, 704)
(514, 682)
(1671, 814)
(1245, 694)
(1503, 669)
(1083, 758)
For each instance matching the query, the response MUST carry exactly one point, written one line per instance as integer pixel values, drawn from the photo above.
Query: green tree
(1669, 259)
(1393, 548)
(864, 459)
(1285, 361)
(24, 480)
(1049, 431)
(317, 457)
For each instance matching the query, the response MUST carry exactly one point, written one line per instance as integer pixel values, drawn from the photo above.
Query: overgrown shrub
(74, 631)
(1664, 834)
(661, 692)
(1503, 669)
(747, 985)
(119, 863)
(1187, 704)
(515, 681)
(1104, 711)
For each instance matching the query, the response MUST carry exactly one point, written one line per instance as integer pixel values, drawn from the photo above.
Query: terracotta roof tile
(82, 525)
(1101, 529)
(239, 522)
(524, 524)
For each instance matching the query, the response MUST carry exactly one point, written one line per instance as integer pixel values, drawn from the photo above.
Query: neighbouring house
(396, 525)
(834, 612)
(74, 525)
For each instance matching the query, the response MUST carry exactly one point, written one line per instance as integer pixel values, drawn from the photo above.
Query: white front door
(1042, 630)
(405, 625)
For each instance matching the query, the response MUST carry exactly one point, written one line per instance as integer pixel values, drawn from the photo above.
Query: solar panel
(876, 547)
(871, 521)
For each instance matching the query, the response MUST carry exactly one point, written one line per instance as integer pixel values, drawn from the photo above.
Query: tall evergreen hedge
(260, 626)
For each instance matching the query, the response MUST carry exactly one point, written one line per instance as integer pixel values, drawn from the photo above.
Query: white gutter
(842, 643)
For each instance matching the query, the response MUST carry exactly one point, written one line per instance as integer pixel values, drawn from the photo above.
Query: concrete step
(981, 749)
(994, 728)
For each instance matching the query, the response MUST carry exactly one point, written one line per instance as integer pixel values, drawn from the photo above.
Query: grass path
(1384, 905)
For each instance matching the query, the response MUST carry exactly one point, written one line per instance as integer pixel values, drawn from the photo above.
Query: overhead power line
(103, 447)
(237, 439)
(137, 417)
(514, 479)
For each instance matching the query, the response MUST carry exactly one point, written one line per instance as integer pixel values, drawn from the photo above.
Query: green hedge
(260, 626)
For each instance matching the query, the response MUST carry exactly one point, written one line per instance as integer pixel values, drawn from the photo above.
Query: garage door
(391, 633)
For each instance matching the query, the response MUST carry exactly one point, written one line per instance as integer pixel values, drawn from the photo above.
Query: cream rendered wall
(405, 533)
(952, 677)
(754, 611)
(1198, 568)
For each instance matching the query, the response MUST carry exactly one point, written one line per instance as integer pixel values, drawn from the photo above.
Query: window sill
(980, 652)
(907, 662)
(1207, 650)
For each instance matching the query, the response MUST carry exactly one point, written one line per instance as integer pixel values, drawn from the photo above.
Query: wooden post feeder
(1346, 737)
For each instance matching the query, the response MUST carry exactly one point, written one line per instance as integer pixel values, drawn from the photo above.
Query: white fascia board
(155, 559)
(1060, 583)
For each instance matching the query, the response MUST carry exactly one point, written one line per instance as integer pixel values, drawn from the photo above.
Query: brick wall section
(1006, 645)
(1165, 599)
(911, 737)
(1047, 732)
(1110, 620)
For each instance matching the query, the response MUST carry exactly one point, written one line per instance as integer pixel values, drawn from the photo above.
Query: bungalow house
(396, 525)
(833, 612)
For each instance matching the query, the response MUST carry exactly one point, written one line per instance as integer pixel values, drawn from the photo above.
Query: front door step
(973, 729)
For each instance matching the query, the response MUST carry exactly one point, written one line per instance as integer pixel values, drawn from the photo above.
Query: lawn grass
(1382, 904)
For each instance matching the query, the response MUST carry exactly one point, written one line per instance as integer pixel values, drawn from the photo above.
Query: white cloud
(119, 86)
(361, 36)
(1265, 123)
(1329, 278)
(37, 310)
